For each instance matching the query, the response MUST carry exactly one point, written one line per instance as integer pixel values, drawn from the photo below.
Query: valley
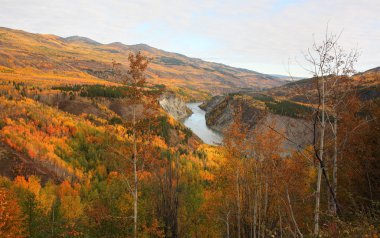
(114, 140)
(197, 123)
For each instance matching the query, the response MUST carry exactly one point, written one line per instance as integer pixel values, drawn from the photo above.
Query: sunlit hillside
(85, 60)
(101, 137)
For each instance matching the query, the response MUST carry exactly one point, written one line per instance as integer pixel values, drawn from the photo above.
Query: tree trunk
(317, 201)
(175, 230)
(259, 208)
(135, 195)
(292, 215)
(265, 206)
(280, 217)
(255, 206)
(335, 166)
(228, 224)
(250, 220)
(320, 154)
(238, 204)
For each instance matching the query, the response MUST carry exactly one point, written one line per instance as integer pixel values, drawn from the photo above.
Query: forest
(135, 171)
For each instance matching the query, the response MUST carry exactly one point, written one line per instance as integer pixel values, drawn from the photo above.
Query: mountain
(298, 90)
(374, 70)
(285, 77)
(82, 57)
(81, 39)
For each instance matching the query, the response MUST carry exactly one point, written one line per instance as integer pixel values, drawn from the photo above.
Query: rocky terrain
(221, 110)
(286, 108)
(174, 105)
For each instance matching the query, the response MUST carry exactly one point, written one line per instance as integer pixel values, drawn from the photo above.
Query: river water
(197, 123)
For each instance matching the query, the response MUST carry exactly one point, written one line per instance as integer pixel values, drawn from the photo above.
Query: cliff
(174, 106)
(220, 112)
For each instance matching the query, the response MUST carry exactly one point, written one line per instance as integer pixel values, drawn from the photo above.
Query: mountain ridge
(89, 58)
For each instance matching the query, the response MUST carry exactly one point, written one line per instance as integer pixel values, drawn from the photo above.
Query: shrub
(115, 120)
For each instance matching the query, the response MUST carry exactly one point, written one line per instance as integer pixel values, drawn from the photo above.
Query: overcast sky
(262, 35)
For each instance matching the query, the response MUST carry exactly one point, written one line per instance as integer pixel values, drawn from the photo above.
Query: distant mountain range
(374, 70)
(285, 77)
(87, 58)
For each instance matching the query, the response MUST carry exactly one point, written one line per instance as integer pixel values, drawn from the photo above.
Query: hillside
(85, 59)
(72, 146)
(366, 84)
(82, 155)
(288, 106)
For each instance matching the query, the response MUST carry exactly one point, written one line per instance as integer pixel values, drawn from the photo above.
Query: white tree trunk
(265, 204)
(292, 215)
(320, 152)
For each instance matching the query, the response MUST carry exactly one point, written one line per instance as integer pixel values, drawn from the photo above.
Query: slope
(80, 57)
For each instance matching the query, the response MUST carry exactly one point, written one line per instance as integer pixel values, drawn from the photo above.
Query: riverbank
(197, 123)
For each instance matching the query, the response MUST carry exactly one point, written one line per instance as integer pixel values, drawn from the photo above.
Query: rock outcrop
(174, 106)
(210, 104)
(220, 112)
(220, 115)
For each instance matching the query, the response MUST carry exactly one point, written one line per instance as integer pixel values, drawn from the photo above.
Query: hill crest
(84, 56)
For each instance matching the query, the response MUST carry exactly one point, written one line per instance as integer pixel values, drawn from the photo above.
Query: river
(197, 123)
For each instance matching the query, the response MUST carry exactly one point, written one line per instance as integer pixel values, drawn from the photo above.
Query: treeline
(148, 176)
(288, 108)
(94, 91)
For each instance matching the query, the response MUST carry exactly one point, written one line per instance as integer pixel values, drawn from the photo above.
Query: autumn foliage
(250, 186)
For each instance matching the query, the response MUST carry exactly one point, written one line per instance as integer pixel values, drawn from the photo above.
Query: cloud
(261, 35)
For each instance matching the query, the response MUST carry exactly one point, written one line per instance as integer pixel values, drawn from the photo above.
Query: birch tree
(330, 65)
(135, 80)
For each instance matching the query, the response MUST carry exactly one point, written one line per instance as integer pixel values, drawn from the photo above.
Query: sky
(267, 36)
